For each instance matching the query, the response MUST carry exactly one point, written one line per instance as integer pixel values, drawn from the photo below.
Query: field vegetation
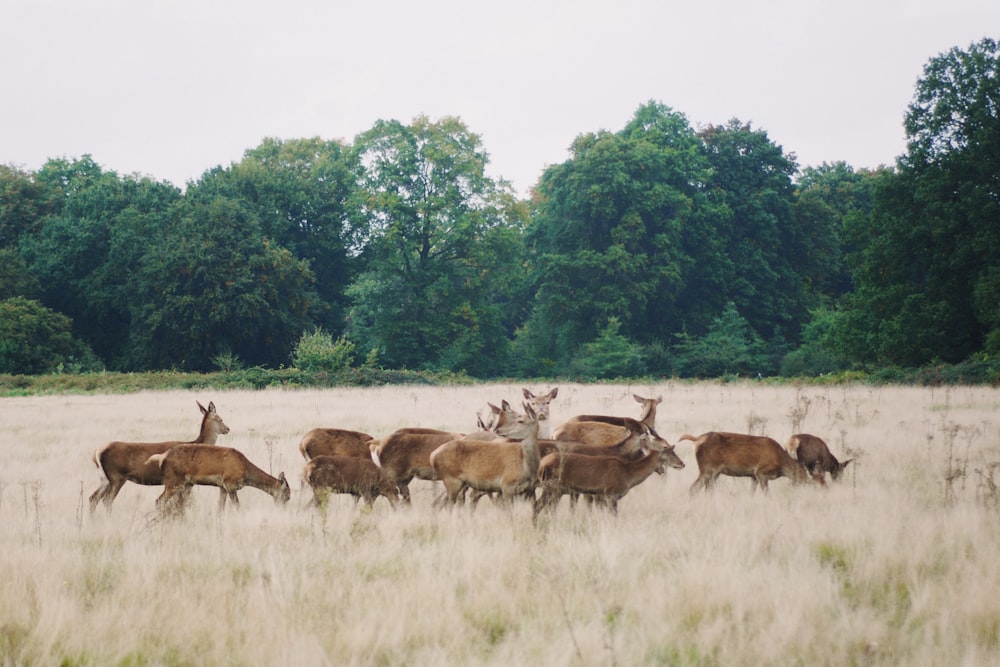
(897, 563)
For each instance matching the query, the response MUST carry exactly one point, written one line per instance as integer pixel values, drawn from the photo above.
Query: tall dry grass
(897, 564)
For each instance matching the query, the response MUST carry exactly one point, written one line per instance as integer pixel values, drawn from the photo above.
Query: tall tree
(299, 191)
(760, 243)
(210, 282)
(440, 242)
(70, 249)
(927, 274)
(612, 234)
(827, 199)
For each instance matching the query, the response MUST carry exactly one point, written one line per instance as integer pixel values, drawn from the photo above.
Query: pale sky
(172, 88)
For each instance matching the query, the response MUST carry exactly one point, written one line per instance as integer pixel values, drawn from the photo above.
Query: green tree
(612, 236)
(929, 256)
(24, 201)
(440, 242)
(299, 191)
(729, 347)
(15, 279)
(752, 261)
(34, 339)
(84, 250)
(827, 199)
(209, 283)
(610, 356)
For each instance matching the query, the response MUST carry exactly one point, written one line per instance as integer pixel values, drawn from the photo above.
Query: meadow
(896, 564)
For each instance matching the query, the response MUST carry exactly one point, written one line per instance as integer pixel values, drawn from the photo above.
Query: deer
(122, 462)
(403, 455)
(605, 477)
(738, 455)
(812, 452)
(603, 429)
(508, 465)
(541, 405)
(334, 442)
(348, 474)
(229, 469)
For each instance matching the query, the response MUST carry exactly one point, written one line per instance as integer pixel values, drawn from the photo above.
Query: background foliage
(655, 249)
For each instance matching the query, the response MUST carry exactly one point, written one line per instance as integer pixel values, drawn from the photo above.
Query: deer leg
(97, 495)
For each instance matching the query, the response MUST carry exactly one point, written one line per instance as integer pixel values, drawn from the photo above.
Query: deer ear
(527, 394)
(554, 392)
(201, 407)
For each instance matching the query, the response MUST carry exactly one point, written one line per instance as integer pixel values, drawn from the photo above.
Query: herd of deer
(512, 454)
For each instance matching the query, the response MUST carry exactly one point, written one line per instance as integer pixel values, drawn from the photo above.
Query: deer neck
(532, 457)
(208, 433)
(259, 479)
(645, 466)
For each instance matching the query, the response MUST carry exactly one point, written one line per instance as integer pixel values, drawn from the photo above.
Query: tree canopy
(656, 248)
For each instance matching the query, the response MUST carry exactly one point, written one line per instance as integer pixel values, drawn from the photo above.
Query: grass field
(897, 564)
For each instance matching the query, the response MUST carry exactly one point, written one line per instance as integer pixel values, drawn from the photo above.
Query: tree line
(659, 248)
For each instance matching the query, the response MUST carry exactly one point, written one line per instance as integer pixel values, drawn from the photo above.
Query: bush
(729, 347)
(35, 339)
(610, 356)
(317, 351)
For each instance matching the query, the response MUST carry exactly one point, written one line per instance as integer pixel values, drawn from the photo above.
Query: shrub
(611, 355)
(730, 346)
(35, 339)
(318, 351)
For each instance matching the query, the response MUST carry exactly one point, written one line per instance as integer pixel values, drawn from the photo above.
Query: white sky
(171, 88)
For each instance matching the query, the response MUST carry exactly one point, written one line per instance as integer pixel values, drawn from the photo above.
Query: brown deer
(508, 465)
(348, 474)
(638, 442)
(812, 452)
(541, 405)
(184, 466)
(403, 455)
(334, 442)
(122, 462)
(605, 429)
(607, 478)
(738, 455)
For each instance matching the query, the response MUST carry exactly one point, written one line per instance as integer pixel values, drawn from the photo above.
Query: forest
(659, 249)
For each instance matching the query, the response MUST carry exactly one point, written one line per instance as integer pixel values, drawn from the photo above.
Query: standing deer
(184, 466)
(605, 429)
(508, 465)
(334, 442)
(737, 455)
(348, 474)
(541, 405)
(606, 477)
(812, 452)
(404, 455)
(127, 461)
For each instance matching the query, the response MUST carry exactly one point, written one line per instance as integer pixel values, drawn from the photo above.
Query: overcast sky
(171, 88)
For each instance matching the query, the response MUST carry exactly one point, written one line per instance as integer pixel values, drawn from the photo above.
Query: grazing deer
(607, 478)
(334, 442)
(508, 465)
(348, 474)
(122, 462)
(404, 455)
(812, 452)
(184, 466)
(541, 405)
(604, 429)
(737, 455)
